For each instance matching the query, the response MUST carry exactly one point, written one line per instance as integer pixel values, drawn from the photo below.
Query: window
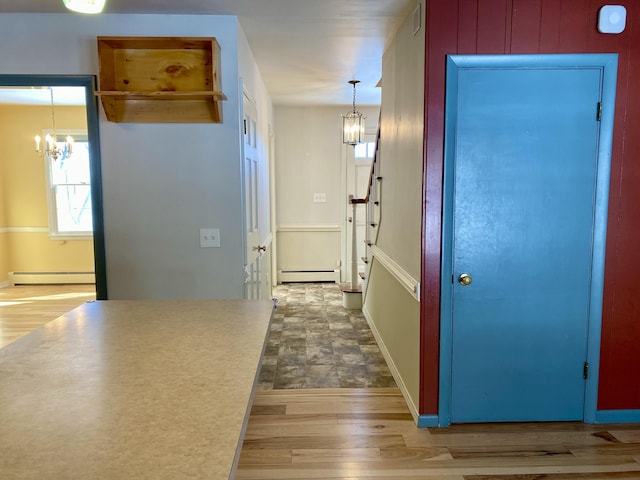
(364, 150)
(69, 189)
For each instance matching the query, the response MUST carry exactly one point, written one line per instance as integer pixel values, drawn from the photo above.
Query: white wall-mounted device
(612, 19)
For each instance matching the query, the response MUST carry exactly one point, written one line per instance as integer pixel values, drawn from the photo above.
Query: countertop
(132, 389)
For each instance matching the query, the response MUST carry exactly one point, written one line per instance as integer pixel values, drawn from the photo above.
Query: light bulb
(69, 141)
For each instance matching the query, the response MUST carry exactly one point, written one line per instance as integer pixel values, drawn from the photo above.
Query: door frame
(608, 64)
(88, 82)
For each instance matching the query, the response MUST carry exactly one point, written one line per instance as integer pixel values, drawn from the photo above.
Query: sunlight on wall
(24, 241)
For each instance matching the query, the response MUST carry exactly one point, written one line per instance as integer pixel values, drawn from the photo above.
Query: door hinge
(585, 370)
(245, 126)
(599, 116)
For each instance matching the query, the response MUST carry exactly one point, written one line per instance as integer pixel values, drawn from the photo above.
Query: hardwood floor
(24, 308)
(335, 434)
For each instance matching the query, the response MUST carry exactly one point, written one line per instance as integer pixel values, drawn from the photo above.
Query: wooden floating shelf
(160, 79)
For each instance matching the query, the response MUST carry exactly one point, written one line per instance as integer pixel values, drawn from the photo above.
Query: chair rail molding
(24, 230)
(309, 228)
(404, 278)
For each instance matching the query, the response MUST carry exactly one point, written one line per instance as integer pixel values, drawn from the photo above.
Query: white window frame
(54, 233)
(370, 146)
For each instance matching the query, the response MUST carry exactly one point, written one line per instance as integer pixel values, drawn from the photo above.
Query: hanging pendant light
(85, 6)
(353, 122)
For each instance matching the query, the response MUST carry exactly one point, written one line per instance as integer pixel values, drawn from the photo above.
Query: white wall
(401, 154)
(161, 182)
(389, 306)
(309, 159)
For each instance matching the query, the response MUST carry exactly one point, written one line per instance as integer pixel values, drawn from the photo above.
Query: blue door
(523, 208)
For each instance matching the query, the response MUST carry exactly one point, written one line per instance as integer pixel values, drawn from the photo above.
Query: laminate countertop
(132, 390)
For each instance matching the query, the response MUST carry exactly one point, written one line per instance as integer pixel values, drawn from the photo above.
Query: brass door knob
(465, 279)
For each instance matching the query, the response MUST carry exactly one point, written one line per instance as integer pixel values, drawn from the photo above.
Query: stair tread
(346, 288)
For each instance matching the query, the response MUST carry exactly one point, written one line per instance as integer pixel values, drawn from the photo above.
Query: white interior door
(250, 171)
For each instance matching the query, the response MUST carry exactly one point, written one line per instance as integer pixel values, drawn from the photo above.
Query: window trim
(52, 206)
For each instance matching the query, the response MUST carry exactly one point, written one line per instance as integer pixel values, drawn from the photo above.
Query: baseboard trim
(392, 366)
(618, 416)
(428, 421)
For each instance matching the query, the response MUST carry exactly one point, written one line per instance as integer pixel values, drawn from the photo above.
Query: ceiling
(306, 50)
(42, 95)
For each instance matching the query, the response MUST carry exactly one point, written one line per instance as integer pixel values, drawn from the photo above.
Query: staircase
(374, 209)
(353, 291)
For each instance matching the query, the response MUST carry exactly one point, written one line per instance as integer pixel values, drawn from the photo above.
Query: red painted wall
(543, 26)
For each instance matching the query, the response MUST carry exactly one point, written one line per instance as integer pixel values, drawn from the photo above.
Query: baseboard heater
(50, 278)
(309, 276)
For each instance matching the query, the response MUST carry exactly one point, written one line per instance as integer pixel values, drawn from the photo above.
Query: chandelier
(51, 146)
(353, 122)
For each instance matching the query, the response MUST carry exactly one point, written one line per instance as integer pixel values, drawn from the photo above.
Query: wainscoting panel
(309, 253)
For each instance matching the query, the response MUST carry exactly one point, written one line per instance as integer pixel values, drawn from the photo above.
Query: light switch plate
(612, 19)
(209, 237)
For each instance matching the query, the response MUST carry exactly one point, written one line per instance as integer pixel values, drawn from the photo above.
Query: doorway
(528, 141)
(93, 145)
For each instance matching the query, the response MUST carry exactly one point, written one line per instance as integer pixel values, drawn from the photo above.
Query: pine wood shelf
(160, 79)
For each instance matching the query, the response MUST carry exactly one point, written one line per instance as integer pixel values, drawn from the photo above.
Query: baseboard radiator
(285, 276)
(50, 278)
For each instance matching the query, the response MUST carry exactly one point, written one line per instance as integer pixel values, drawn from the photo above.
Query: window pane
(364, 150)
(371, 149)
(70, 197)
(360, 150)
(73, 208)
(71, 168)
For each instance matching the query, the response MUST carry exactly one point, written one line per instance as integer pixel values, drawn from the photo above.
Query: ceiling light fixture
(353, 122)
(51, 147)
(85, 6)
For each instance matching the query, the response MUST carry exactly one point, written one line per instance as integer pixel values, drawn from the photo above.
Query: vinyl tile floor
(316, 343)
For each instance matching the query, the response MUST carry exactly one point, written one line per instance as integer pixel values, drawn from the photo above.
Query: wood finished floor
(25, 308)
(335, 434)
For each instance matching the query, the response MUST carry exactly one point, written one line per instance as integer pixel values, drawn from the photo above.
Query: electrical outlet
(209, 237)
(319, 198)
